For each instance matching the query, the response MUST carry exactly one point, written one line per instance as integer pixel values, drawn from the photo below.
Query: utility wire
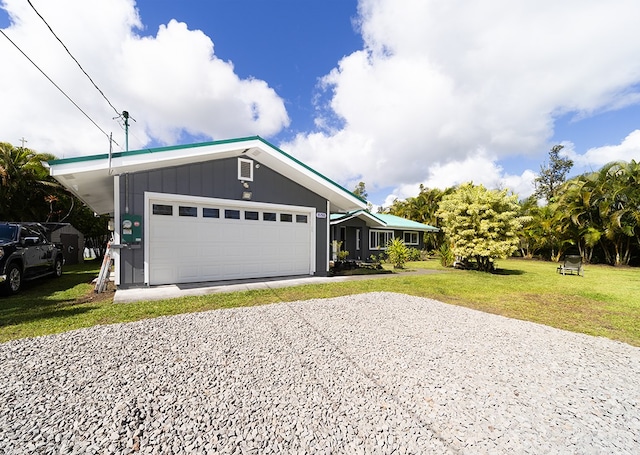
(56, 85)
(74, 59)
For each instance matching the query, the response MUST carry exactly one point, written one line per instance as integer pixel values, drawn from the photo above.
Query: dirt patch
(92, 296)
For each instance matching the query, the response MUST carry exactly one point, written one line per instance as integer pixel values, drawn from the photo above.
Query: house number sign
(321, 215)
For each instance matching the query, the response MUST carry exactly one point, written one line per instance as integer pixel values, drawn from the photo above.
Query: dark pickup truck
(25, 254)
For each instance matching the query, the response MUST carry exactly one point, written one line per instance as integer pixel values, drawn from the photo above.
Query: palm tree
(580, 218)
(615, 208)
(24, 183)
(423, 209)
(604, 208)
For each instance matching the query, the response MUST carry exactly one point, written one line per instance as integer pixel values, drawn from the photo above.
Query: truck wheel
(57, 268)
(14, 279)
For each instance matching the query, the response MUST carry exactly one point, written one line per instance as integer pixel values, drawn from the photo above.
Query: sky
(394, 93)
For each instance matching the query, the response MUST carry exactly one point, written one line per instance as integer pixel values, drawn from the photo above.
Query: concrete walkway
(172, 291)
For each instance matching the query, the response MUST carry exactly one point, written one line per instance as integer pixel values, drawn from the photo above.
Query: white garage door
(209, 240)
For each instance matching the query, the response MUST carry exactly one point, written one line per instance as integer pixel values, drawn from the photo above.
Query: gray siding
(215, 179)
(348, 237)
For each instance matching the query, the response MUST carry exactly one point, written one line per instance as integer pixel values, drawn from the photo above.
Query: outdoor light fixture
(246, 195)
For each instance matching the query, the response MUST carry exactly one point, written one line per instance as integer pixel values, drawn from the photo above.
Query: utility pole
(125, 115)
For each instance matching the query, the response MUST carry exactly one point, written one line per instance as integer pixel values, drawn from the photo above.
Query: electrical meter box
(131, 228)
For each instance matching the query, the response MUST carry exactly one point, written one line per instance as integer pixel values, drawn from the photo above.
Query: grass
(603, 303)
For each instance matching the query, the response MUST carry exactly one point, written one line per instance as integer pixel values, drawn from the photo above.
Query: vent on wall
(245, 169)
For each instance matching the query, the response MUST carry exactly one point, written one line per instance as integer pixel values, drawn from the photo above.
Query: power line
(74, 59)
(55, 85)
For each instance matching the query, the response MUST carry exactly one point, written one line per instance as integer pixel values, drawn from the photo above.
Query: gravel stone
(369, 373)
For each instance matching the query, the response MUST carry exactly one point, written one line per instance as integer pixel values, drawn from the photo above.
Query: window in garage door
(162, 209)
(210, 213)
(187, 211)
(251, 215)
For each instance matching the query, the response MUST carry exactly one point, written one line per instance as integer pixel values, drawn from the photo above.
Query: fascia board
(362, 215)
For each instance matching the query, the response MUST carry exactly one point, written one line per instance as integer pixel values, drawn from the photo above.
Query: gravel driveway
(370, 373)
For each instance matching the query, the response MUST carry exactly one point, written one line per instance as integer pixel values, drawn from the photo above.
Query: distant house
(363, 233)
(72, 241)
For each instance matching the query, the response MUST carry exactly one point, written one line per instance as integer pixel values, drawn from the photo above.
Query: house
(221, 210)
(363, 233)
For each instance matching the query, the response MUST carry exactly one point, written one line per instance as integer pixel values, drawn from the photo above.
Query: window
(358, 232)
(31, 236)
(286, 218)
(8, 232)
(187, 211)
(301, 219)
(269, 216)
(232, 214)
(378, 239)
(245, 169)
(161, 209)
(250, 215)
(411, 238)
(210, 213)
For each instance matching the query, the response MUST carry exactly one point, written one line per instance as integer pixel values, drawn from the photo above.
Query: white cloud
(480, 169)
(440, 93)
(438, 81)
(595, 158)
(171, 83)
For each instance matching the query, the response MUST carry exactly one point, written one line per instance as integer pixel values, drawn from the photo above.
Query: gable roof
(382, 220)
(90, 178)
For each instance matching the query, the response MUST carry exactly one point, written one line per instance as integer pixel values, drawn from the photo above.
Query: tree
(25, 184)
(552, 175)
(601, 211)
(614, 201)
(360, 191)
(29, 193)
(423, 209)
(481, 224)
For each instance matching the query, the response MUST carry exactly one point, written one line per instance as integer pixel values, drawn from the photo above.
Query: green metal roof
(389, 221)
(397, 222)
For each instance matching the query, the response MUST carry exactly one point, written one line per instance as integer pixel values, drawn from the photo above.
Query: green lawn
(603, 303)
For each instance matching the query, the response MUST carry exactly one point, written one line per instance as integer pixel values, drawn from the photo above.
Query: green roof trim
(310, 169)
(105, 156)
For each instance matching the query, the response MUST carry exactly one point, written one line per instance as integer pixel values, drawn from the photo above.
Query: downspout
(116, 228)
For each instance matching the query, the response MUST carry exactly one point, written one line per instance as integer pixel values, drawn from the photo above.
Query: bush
(414, 254)
(397, 252)
(342, 255)
(446, 255)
